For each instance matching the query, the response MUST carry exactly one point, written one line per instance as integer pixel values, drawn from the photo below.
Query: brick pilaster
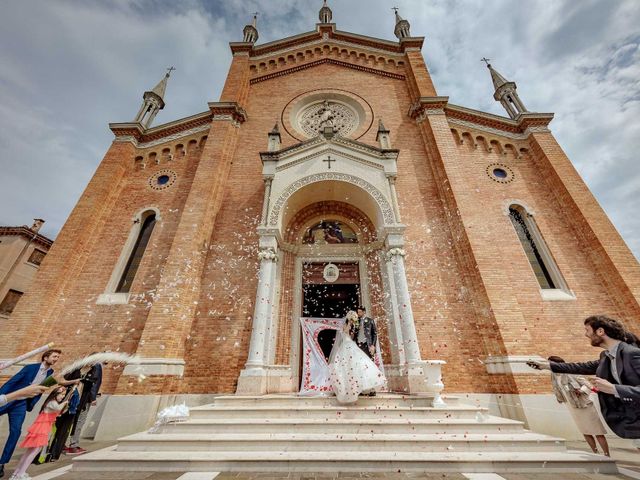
(419, 77)
(505, 330)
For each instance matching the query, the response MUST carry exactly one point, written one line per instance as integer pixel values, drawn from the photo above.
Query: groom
(366, 334)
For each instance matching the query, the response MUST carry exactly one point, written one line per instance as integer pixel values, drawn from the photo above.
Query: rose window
(313, 119)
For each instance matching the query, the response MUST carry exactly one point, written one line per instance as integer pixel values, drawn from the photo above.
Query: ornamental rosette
(267, 254)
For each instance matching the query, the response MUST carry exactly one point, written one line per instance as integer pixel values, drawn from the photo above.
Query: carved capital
(395, 252)
(268, 254)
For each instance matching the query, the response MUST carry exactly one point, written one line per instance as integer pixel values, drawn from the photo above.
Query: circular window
(310, 113)
(500, 173)
(314, 118)
(497, 172)
(162, 179)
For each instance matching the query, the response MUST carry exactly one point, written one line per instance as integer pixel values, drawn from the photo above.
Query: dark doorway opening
(329, 301)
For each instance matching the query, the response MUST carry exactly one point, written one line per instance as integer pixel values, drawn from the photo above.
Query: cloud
(71, 67)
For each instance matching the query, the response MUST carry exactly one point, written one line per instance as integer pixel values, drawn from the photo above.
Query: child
(38, 435)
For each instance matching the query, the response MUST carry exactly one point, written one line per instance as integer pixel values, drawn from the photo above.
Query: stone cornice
(427, 105)
(287, 42)
(227, 111)
(520, 127)
(26, 232)
(380, 153)
(331, 61)
(411, 43)
(176, 126)
(139, 135)
(241, 47)
(127, 129)
(483, 119)
(327, 32)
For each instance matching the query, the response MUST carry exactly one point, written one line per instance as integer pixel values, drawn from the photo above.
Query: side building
(22, 251)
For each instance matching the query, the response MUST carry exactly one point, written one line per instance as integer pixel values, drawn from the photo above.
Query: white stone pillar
(405, 313)
(265, 200)
(272, 326)
(262, 312)
(391, 301)
(394, 197)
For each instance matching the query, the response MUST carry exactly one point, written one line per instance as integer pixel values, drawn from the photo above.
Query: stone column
(395, 256)
(394, 197)
(253, 378)
(265, 201)
(391, 299)
(262, 310)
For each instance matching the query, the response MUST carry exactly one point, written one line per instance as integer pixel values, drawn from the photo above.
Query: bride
(351, 370)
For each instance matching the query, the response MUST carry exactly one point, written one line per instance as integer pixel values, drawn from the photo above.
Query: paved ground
(627, 456)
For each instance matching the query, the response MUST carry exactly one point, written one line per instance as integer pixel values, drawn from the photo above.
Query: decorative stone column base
(252, 381)
(267, 379)
(156, 366)
(424, 377)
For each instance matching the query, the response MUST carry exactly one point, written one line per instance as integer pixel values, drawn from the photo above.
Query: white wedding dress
(351, 370)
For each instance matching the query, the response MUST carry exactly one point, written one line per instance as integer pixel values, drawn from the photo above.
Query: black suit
(370, 334)
(621, 414)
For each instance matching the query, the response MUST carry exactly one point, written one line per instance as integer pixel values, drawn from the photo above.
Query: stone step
(294, 442)
(112, 460)
(489, 424)
(285, 401)
(331, 411)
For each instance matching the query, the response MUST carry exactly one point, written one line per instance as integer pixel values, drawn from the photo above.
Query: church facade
(330, 174)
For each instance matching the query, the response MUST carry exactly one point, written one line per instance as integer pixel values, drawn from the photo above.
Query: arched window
(542, 263)
(126, 268)
(130, 270)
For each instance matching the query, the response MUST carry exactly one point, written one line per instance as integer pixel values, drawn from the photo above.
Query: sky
(69, 67)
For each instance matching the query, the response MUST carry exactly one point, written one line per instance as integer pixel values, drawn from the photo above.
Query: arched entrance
(323, 235)
(351, 188)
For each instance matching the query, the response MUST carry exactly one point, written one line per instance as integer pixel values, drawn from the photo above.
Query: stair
(276, 433)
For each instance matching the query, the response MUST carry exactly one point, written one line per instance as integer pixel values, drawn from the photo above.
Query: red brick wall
(473, 293)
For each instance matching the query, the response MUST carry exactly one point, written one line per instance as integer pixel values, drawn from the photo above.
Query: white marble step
(489, 424)
(330, 411)
(351, 442)
(285, 401)
(344, 461)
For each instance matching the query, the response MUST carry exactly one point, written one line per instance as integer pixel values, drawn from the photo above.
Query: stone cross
(329, 160)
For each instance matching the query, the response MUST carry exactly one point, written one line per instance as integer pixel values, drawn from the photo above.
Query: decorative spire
(325, 14)
(160, 88)
(250, 32)
(153, 101)
(505, 92)
(274, 138)
(402, 26)
(382, 137)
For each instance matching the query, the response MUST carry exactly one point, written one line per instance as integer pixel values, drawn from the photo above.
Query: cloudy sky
(71, 67)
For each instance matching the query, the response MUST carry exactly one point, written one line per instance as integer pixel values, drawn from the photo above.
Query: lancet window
(536, 250)
(133, 263)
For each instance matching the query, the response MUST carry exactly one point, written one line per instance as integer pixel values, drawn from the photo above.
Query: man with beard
(32, 374)
(617, 374)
